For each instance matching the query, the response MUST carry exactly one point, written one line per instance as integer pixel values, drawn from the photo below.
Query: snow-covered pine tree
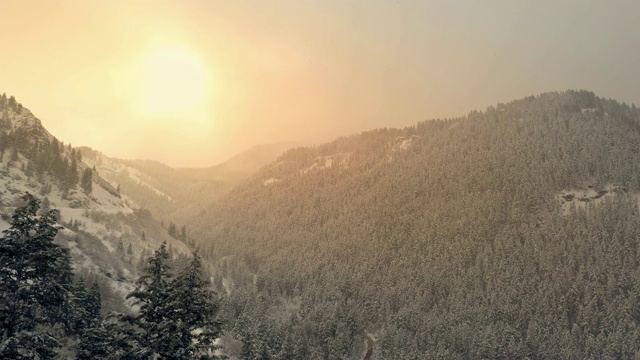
(193, 308)
(151, 295)
(86, 181)
(35, 283)
(177, 317)
(84, 306)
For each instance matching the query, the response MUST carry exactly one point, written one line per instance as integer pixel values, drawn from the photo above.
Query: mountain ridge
(438, 238)
(459, 238)
(107, 235)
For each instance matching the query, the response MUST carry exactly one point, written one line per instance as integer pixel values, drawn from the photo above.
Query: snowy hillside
(107, 234)
(114, 170)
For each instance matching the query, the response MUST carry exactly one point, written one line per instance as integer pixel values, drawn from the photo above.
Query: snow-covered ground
(327, 162)
(270, 181)
(580, 198)
(103, 230)
(109, 168)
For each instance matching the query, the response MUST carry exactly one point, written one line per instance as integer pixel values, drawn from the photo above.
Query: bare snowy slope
(107, 234)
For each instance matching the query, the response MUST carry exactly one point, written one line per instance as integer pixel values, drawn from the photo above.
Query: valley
(496, 234)
(319, 180)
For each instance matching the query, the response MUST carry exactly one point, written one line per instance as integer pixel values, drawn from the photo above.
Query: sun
(175, 81)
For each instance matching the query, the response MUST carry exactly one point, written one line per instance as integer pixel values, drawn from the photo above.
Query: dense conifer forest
(450, 239)
(46, 311)
(512, 232)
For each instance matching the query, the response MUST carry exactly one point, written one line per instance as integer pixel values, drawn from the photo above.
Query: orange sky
(190, 83)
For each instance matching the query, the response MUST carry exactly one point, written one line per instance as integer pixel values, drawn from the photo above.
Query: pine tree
(86, 181)
(35, 281)
(183, 233)
(111, 339)
(151, 295)
(193, 307)
(120, 248)
(177, 317)
(12, 103)
(72, 173)
(173, 232)
(95, 303)
(85, 307)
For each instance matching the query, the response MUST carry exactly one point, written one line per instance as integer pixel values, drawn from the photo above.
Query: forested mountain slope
(108, 237)
(447, 239)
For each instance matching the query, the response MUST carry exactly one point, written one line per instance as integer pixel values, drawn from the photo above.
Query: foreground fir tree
(152, 296)
(35, 284)
(84, 306)
(193, 307)
(177, 317)
(112, 339)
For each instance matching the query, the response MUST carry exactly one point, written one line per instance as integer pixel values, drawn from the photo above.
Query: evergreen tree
(183, 233)
(176, 320)
(111, 339)
(130, 252)
(85, 307)
(120, 248)
(35, 280)
(86, 181)
(193, 307)
(151, 295)
(95, 302)
(72, 173)
(12, 103)
(173, 232)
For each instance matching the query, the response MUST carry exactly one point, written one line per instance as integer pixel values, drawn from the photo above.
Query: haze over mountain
(173, 193)
(510, 232)
(102, 229)
(74, 254)
(507, 233)
(343, 180)
(191, 83)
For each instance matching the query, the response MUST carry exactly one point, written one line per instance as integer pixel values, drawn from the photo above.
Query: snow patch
(270, 181)
(328, 161)
(110, 168)
(400, 143)
(403, 143)
(572, 199)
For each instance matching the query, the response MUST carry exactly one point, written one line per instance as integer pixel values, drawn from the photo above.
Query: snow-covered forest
(507, 233)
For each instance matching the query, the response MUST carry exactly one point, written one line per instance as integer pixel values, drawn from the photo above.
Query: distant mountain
(174, 193)
(507, 233)
(243, 164)
(107, 234)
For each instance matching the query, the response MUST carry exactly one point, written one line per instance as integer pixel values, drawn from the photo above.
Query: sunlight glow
(174, 82)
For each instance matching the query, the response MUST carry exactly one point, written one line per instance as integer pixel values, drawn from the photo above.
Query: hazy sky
(190, 83)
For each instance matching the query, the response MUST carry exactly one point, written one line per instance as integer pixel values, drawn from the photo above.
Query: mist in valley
(319, 180)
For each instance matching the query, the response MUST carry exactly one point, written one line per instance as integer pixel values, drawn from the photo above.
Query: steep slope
(447, 239)
(102, 229)
(173, 194)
